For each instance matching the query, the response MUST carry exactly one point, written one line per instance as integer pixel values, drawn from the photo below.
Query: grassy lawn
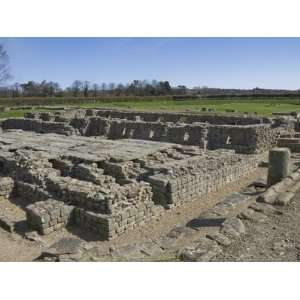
(260, 106)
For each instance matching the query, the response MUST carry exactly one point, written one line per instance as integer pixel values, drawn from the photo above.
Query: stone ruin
(109, 171)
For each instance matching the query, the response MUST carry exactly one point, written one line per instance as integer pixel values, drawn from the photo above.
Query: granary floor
(87, 148)
(16, 247)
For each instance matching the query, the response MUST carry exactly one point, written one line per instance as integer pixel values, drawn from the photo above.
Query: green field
(259, 106)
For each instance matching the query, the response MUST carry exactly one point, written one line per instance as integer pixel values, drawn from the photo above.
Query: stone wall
(181, 117)
(194, 179)
(243, 139)
(39, 126)
(185, 129)
(49, 215)
(118, 192)
(6, 187)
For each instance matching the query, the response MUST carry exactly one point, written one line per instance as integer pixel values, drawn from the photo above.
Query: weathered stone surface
(264, 208)
(284, 198)
(151, 249)
(34, 236)
(6, 223)
(220, 238)
(167, 243)
(48, 216)
(294, 187)
(203, 250)
(131, 252)
(64, 246)
(180, 231)
(6, 186)
(268, 197)
(252, 215)
(233, 227)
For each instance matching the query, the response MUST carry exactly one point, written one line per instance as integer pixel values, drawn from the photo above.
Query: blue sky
(213, 62)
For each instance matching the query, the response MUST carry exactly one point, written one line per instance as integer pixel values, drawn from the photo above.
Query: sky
(212, 62)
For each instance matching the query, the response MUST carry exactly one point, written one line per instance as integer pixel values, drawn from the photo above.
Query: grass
(259, 106)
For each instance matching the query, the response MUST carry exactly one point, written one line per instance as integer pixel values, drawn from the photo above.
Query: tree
(181, 89)
(29, 88)
(76, 88)
(95, 90)
(103, 88)
(111, 87)
(16, 90)
(119, 89)
(4, 65)
(53, 88)
(164, 88)
(86, 86)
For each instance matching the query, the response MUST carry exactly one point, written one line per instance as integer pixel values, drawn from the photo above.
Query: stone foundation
(113, 185)
(6, 187)
(111, 171)
(49, 215)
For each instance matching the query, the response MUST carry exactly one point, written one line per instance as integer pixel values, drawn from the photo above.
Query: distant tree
(164, 88)
(16, 90)
(95, 90)
(53, 88)
(119, 89)
(86, 87)
(76, 88)
(29, 88)
(103, 88)
(181, 89)
(111, 87)
(4, 65)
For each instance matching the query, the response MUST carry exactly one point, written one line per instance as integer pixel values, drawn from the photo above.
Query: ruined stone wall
(38, 126)
(141, 211)
(49, 215)
(6, 187)
(115, 194)
(181, 117)
(178, 187)
(243, 139)
(194, 134)
(164, 117)
(255, 138)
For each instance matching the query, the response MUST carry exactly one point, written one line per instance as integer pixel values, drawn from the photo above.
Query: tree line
(86, 89)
